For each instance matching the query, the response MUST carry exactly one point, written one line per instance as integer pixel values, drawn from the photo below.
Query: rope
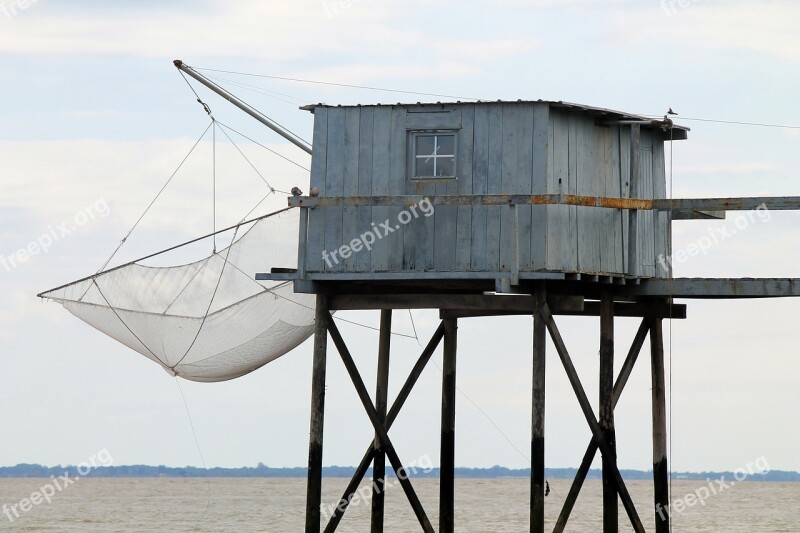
(671, 303)
(470, 400)
(261, 90)
(214, 181)
(271, 188)
(199, 452)
(225, 126)
(94, 281)
(734, 122)
(154, 200)
(186, 405)
(171, 248)
(257, 205)
(336, 84)
(211, 301)
(206, 108)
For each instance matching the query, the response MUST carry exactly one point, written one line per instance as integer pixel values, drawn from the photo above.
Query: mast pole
(256, 114)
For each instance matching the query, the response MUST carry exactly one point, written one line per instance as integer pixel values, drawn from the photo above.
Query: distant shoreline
(262, 471)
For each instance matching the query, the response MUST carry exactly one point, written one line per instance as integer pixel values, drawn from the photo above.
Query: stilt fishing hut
(535, 208)
(499, 208)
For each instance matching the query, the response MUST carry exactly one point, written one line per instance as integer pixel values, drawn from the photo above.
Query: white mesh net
(209, 320)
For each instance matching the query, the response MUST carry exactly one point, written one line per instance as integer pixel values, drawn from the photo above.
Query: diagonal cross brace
(380, 429)
(591, 450)
(402, 396)
(586, 407)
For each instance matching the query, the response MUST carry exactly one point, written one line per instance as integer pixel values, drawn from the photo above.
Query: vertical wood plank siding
(502, 148)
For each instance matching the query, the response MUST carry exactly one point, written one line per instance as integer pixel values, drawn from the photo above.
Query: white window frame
(413, 157)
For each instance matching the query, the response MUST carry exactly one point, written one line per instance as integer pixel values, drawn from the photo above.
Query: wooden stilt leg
(660, 471)
(591, 450)
(448, 443)
(586, 407)
(537, 418)
(606, 414)
(402, 396)
(381, 400)
(314, 489)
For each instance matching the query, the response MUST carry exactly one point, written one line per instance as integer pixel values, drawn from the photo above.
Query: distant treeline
(263, 471)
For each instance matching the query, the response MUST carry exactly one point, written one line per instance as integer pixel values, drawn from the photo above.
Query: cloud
(364, 44)
(91, 113)
(768, 28)
(50, 181)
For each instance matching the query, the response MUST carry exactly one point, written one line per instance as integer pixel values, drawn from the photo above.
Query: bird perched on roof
(314, 191)
(296, 191)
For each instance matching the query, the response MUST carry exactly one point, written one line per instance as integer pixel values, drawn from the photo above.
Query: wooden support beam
(448, 438)
(314, 487)
(522, 303)
(606, 414)
(591, 450)
(397, 406)
(716, 288)
(660, 471)
(590, 308)
(538, 414)
(380, 430)
(381, 400)
(586, 407)
(774, 203)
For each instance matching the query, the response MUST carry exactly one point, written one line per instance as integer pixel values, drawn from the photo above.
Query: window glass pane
(444, 166)
(446, 144)
(424, 166)
(425, 145)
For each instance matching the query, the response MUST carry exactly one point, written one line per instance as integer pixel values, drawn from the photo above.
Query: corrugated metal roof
(609, 114)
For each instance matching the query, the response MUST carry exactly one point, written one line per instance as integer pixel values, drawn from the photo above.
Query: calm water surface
(128, 505)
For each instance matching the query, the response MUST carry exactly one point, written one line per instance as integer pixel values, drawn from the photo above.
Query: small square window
(434, 155)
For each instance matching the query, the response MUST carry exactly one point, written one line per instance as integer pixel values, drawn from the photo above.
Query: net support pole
(660, 471)
(537, 414)
(381, 401)
(606, 418)
(256, 114)
(314, 488)
(448, 429)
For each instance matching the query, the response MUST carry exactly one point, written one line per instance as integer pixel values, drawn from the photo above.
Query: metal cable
(154, 200)
(262, 146)
(337, 84)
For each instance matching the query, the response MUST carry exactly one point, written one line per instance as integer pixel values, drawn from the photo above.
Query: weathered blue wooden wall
(503, 148)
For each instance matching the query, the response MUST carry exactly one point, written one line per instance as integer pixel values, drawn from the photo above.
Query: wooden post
(380, 429)
(586, 407)
(591, 450)
(606, 415)
(381, 400)
(314, 488)
(448, 442)
(402, 396)
(537, 416)
(660, 472)
(635, 178)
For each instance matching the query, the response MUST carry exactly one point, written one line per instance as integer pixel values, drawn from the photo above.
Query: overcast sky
(94, 118)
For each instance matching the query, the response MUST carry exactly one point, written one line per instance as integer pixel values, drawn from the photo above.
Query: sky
(94, 118)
